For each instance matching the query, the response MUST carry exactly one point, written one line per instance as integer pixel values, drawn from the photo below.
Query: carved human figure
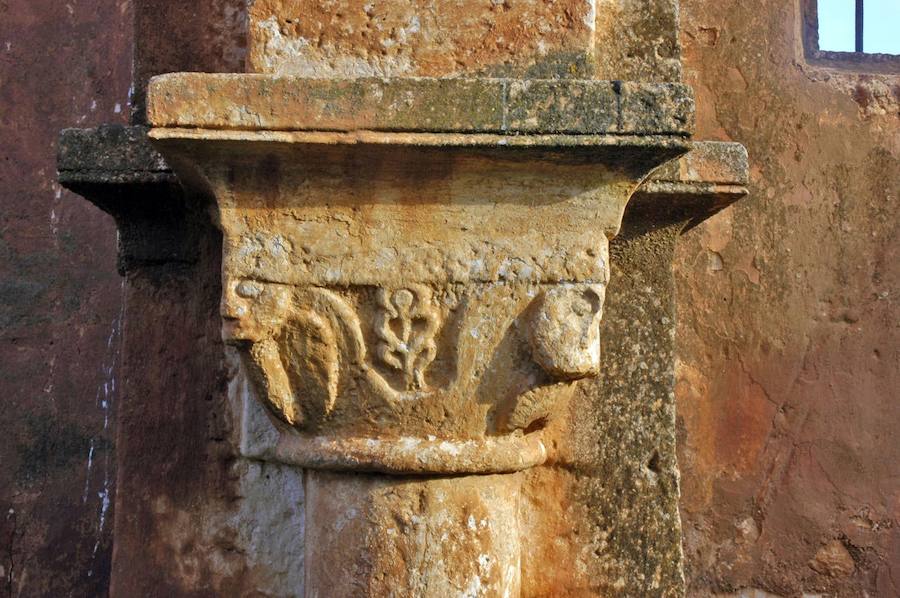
(563, 331)
(290, 353)
(253, 315)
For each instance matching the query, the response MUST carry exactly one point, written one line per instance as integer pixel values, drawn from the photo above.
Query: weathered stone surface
(788, 338)
(603, 39)
(118, 169)
(223, 520)
(223, 525)
(708, 163)
(755, 324)
(608, 497)
(413, 536)
(421, 303)
(108, 154)
(833, 560)
(710, 177)
(285, 103)
(637, 40)
(356, 38)
(378, 325)
(192, 518)
(61, 65)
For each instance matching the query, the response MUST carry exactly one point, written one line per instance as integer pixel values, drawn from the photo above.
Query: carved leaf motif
(313, 346)
(407, 324)
(266, 371)
(293, 342)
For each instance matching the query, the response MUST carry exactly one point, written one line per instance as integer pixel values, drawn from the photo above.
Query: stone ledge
(109, 154)
(709, 178)
(708, 162)
(120, 155)
(117, 169)
(503, 106)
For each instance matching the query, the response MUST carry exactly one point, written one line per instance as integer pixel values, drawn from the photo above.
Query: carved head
(253, 311)
(565, 330)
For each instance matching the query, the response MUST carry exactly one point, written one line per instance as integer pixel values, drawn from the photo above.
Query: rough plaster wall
(192, 518)
(61, 64)
(788, 336)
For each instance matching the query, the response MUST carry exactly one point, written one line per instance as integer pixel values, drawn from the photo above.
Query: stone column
(413, 289)
(377, 535)
(413, 276)
(113, 167)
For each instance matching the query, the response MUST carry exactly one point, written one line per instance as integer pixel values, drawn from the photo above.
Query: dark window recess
(855, 34)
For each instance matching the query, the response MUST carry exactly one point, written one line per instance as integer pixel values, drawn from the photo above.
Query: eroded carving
(292, 342)
(406, 325)
(460, 314)
(565, 330)
(523, 346)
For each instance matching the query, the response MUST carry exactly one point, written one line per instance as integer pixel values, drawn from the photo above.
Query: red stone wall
(788, 337)
(61, 64)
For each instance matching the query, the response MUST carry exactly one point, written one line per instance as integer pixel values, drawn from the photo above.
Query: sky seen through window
(881, 26)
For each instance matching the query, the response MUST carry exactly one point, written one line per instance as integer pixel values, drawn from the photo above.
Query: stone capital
(414, 270)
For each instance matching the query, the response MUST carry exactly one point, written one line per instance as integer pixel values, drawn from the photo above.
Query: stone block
(364, 38)
(420, 105)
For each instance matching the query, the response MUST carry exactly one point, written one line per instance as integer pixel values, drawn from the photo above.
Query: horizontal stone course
(506, 106)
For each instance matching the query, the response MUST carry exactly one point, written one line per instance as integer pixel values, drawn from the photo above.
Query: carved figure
(564, 334)
(253, 315)
(565, 330)
(298, 343)
(292, 342)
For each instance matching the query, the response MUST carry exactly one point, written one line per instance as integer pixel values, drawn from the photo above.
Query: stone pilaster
(446, 309)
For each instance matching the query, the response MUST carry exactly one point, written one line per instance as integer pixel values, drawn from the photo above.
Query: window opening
(862, 26)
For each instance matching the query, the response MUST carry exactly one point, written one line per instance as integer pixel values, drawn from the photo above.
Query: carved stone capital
(419, 305)
(411, 302)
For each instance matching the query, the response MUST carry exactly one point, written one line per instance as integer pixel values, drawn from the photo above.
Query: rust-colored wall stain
(788, 335)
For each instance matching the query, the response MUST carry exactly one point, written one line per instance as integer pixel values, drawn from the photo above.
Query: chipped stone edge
(109, 154)
(709, 178)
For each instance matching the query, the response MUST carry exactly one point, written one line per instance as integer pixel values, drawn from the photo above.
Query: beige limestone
(411, 304)
(833, 559)
(423, 37)
(257, 102)
(413, 537)
(405, 293)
